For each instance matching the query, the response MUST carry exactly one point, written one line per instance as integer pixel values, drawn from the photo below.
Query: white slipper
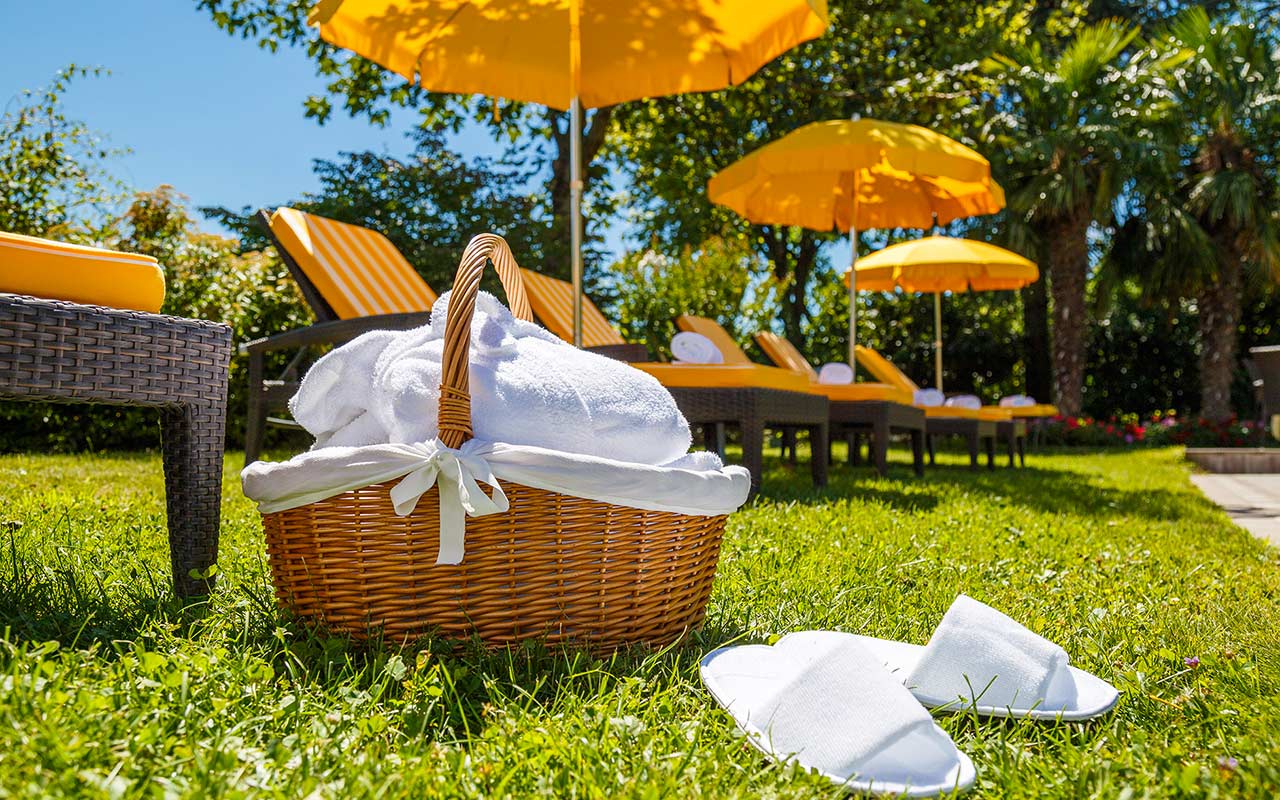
(832, 707)
(977, 652)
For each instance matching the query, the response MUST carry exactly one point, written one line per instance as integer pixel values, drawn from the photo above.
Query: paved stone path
(1252, 501)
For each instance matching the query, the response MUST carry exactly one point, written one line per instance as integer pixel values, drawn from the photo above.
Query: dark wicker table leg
(72, 353)
(974, 443)
(991, 452)
(192, 446)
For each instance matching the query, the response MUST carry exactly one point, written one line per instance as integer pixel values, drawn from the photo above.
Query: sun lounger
(978, 427)
(877, 409)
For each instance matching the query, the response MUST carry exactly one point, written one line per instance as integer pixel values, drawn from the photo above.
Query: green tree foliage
(722, 279)
(670, 147)
(54, 170)
(1229, 109)
(429, 205)
(1069, 126)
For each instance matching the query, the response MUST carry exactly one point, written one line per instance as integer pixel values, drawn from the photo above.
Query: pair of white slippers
(854, 707)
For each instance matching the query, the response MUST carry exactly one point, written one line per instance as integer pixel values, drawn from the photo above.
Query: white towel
(969, 401)
(694, 348)
(1017, 401)
(527, 388)
(835, 372)
(930, 398)
(977, 651)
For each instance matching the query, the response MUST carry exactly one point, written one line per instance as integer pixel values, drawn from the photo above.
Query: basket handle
(455, 388)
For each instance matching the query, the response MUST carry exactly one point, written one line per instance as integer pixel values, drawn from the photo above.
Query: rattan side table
(70, 353)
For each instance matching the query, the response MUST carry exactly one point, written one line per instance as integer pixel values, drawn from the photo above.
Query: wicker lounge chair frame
(878, 420)
(63, 352)
(267, 395)
(752, 410)
(978, 434)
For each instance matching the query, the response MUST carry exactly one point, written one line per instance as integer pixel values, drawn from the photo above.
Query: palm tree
(1229, 90)
(1072, 125)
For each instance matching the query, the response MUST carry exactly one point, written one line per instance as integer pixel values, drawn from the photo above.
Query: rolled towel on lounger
(969, 401)
(835, 372)
(694, 348)
(1017, 401)
(527, 388)
(929, 398)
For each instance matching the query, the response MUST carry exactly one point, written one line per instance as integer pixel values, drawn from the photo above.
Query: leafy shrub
(1160, 428)
(721, 279)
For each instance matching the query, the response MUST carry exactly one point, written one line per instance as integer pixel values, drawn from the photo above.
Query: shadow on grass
(1036, 486)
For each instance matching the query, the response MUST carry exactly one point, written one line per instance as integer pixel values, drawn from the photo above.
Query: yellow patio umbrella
(942, 264)
(852, 175)
(570, 54)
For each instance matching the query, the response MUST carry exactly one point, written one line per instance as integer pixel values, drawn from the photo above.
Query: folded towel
(930, 398)
(1017, 401)
(977, 651)
(969, 401)
(835, 372)
(694, 348)
(527, 387)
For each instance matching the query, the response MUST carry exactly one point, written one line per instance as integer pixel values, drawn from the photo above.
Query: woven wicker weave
(70, 353)
(554, 566)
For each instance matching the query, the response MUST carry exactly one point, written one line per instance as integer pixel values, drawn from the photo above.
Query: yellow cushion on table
(855, 392)
(724, 376)
(79, 274)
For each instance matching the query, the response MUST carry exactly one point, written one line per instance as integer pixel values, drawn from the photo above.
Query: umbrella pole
(575, 164)
(575, 213)
(937, 340)
(853, 302)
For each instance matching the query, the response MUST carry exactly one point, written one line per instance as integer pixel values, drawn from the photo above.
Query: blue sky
(213, 115)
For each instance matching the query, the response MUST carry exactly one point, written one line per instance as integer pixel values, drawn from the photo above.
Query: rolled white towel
(527, 387)
(969, 401)
(1017, 401)
(835, 372)
(694, 348)
(929, 398)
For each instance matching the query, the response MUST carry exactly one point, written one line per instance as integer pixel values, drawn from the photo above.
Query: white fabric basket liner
(320, 474)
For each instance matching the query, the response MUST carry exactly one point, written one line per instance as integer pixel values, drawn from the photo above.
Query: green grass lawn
(109, 688)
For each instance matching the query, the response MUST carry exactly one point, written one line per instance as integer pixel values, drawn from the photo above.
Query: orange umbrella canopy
(859, 174)
(944, 264)
(551, 51)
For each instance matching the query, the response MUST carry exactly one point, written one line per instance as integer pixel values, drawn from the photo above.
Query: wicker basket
(553, 566)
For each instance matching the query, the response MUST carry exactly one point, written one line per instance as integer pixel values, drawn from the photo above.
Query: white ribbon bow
(457, 472)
